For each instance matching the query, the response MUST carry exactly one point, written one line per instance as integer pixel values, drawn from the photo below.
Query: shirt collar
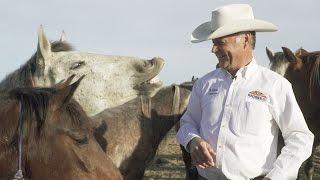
(246, 71)
(249, 69)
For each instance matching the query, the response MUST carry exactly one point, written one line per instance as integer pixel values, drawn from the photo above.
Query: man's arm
(298, 138)
(188, 135)
(190, 121)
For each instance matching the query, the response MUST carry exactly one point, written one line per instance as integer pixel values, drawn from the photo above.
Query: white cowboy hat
(228, 20)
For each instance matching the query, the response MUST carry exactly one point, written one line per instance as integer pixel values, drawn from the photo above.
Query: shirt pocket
(255, 117)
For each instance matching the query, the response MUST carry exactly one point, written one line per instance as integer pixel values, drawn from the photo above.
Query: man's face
(228, 49)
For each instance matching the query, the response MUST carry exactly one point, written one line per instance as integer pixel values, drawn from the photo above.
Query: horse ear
(270, 54)
(63, 37)
(300, 52)
(44, 46)
(65, 93)
(289, 54)
(63, 83)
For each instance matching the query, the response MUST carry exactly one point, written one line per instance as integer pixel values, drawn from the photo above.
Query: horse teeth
(155, 80)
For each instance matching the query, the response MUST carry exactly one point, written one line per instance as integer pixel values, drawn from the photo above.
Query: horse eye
(80, 139)
(77, 65)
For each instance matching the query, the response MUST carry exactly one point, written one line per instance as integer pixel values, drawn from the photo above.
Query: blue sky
(147, 28)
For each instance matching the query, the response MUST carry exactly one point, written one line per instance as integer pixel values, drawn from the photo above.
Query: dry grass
(168, 162)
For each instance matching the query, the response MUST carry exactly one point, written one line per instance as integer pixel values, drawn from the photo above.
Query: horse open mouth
(154, 81)
(149, 87)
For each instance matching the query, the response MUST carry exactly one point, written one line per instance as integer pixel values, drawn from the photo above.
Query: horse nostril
(157, 61)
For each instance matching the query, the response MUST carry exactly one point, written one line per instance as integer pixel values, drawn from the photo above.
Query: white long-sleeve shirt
(240, 118)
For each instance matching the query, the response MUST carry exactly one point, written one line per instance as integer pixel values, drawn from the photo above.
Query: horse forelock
(58, 46)
(33, 102)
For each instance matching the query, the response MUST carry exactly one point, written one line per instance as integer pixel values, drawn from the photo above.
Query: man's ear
(270, 54)
(289, 55)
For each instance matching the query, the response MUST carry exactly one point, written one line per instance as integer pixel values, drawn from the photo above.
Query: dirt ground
(168, 162)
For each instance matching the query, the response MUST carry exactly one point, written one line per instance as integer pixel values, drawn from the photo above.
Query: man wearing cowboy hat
(235, 112)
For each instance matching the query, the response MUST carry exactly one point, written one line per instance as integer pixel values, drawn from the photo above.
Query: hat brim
(204, 32)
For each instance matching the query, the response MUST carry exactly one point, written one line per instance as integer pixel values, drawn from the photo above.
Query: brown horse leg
(191, 171)
(309, 168)
(134, 175)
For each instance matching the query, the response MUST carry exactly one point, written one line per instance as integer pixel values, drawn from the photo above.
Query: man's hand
(202, 153)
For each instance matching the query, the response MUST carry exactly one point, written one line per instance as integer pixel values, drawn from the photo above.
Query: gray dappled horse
(131, 133)
(110, 80)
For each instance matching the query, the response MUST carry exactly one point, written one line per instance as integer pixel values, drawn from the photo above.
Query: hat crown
(229, 13)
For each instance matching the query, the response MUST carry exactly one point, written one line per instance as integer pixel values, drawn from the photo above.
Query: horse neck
(8, 126)
(22, 77)
(164, 114)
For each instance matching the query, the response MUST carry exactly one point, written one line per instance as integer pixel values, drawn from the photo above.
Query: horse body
(110, 80)
(302, 69)
(131, 133)
(58, 138)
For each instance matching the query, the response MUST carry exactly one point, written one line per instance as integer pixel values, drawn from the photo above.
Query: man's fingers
(206, 155)
(202, 153)
(200, 166)
(212, 153)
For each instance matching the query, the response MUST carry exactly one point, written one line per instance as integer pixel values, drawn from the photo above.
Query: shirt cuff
(188, 138)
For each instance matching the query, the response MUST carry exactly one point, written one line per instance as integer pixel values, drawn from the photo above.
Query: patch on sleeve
(213, 91)
(257, 95)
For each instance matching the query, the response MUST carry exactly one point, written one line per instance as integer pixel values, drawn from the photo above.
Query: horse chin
(149, 89)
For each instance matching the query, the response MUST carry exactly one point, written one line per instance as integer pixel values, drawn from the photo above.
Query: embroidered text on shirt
(213, 91)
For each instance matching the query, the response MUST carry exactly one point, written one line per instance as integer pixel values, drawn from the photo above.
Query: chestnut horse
(131, 133)
(302, 69)
(53, 135)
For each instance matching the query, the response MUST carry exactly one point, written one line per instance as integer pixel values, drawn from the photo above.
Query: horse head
(278, 61)
(304, 71)
(110, 80)
(57, 136)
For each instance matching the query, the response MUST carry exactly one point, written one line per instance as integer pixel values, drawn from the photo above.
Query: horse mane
(314, 66)
(36, 101)
(30, 66)
(188, 85)
(33, 100)
(23, 75)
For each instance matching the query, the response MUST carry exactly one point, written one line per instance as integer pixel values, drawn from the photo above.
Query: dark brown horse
(57, 141)
(131, 133)
(303, 71)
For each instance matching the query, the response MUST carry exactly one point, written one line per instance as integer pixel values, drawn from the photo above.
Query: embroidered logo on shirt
(213, 91)
(257, 95)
